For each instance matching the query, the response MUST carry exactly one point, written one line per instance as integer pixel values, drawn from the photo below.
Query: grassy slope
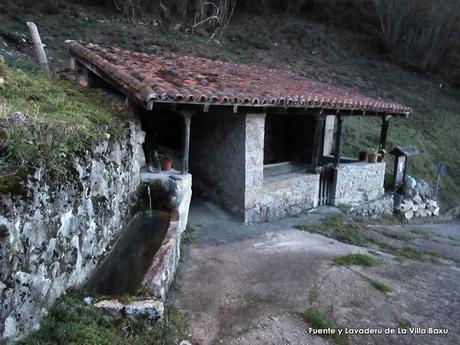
(53, 121)
(325, 53)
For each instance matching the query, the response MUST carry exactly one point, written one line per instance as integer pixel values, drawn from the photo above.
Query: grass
(403, 323)
(382, 287)
(409, 253)
(397, 235)
(312, 296)
(71, 322)
(189, 235)
(343, 231)
(47, 124)
(355, 259)
(426, 234)
(318, 320)
(351, 233)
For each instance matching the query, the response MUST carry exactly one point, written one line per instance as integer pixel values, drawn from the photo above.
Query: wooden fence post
(38, 47)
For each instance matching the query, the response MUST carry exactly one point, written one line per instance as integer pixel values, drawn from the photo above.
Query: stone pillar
(328, 135)
(254, 162)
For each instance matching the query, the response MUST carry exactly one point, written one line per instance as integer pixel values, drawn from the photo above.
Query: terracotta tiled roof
(184, 79)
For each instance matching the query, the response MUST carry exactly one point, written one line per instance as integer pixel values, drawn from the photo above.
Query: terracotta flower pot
(166, 164)
(372, 157)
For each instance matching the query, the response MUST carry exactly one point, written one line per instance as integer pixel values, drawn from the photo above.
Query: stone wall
(217, 158)
(358, 182)
(53, 237)
(373, 209)
(283, 198)
(269, 200)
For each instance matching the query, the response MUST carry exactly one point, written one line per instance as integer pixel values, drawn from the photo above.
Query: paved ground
(249, 284)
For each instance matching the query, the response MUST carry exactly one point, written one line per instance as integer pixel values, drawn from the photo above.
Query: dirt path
(251, 284)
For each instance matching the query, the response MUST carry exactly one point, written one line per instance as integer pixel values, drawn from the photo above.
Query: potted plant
(155, 162)
(166, 163)
(375, 155)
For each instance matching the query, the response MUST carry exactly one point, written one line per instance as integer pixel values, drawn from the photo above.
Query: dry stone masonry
(374, 208)
(416, 208)
(52, 238)
(270, 200)
(358, 182)
(418, 200)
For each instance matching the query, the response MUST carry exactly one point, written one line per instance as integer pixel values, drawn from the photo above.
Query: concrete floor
(249, 284)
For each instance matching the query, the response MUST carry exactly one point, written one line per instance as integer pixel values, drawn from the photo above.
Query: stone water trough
(145, 257)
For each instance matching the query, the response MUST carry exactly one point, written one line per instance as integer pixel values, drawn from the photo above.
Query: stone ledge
(150, 308)
(160, 274)
(163, 176)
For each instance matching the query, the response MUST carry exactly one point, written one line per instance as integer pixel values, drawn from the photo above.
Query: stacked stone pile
(417, 207)
(418, 201)
(373, 209)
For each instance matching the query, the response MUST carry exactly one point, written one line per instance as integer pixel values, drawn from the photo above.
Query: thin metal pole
(438, 178)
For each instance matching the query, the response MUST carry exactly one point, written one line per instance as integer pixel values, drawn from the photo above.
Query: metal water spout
(150, 197)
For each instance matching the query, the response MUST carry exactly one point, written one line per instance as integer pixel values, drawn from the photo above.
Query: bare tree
(210, 15)
(420, 33)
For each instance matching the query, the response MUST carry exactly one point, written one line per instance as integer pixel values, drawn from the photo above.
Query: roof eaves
(139, 90)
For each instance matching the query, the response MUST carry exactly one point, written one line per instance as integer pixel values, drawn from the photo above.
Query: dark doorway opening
(288, 138)
(164, 133)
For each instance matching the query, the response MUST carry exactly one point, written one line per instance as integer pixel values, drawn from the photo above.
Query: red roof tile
(184, 79)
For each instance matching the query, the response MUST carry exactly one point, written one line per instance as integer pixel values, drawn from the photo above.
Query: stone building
(263, 143)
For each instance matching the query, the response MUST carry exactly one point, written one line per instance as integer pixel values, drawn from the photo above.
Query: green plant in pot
(375, 155)
(156, 162)
(166, 162)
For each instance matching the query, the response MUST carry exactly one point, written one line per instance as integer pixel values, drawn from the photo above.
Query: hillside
(350, 58)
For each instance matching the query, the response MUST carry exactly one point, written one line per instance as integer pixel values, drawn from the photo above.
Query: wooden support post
(317, 142)
(338, 140)
(187, 121)
(38, 47)
(384, 132)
